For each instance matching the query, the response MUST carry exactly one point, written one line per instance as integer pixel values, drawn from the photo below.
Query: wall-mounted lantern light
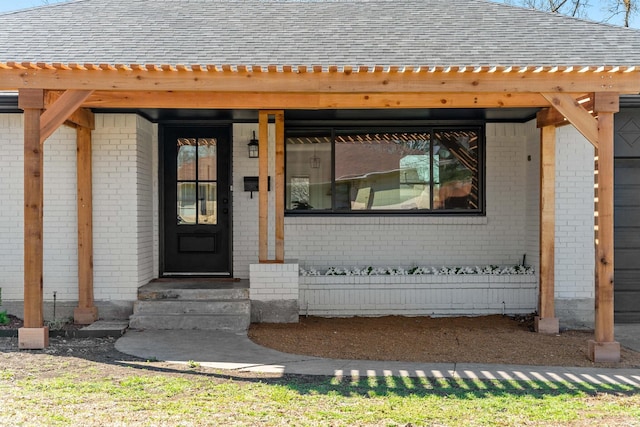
(253, 147)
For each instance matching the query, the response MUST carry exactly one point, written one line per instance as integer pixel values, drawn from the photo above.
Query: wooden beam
(547, 322)
(552, 117)
(31, 99)
(79, 118)
(579, 117)
(244, 80)
(263, 174)
(86, 312)
(280, 186)
(61, 110)
(606, 102)
(272, 100)
(34, 335)
(604, 348)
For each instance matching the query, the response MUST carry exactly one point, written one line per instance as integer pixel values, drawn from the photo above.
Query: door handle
(225, 201)
(225, 210)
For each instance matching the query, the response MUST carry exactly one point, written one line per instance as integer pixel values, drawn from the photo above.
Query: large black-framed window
(391, 170)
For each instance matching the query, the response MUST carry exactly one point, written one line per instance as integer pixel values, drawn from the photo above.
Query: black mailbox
(251, 184)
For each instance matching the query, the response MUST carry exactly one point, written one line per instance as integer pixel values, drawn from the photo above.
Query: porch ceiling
(373, 117)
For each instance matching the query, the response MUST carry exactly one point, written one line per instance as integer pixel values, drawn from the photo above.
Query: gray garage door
(627, 216)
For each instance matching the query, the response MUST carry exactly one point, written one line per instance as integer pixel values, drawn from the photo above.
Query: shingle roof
(310, 32)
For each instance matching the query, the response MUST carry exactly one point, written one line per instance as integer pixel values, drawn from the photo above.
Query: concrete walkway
(229, 351)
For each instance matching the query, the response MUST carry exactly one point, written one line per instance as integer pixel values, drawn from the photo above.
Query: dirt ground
(487, 339)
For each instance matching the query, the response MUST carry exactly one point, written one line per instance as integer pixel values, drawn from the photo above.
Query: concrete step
(191, 293)
(205, 304)
(230, 323)
(201, 307)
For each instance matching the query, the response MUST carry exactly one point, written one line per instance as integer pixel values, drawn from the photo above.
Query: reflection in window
(383, 171)
(197, 175)
(186, 203)
(457, 166)
(309, 173)
(342, 171)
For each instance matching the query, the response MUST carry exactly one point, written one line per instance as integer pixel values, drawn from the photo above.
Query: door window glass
(197, 176)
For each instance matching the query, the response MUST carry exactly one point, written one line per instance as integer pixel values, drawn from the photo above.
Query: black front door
(196, 200)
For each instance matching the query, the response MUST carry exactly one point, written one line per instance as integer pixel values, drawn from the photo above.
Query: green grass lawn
(120, 394)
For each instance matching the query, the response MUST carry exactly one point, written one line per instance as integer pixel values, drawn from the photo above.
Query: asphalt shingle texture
(310, 32)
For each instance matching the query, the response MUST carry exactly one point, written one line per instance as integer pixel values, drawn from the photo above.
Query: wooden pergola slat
(438, 80)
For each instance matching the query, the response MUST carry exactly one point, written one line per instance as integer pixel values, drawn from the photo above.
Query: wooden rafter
(575, 113)
(318, 79)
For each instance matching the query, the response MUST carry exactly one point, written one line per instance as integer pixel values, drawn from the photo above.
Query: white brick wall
(274, 282)
(125, 214)
(115, 207)
(146, 191)
(60, 216)
(245, 208)
(533, 195)
(417, 295)
(574, 253)
(11, 209)
(498, 238)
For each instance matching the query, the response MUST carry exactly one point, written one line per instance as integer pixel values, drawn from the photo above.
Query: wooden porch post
(279, 186)
(546, 322)
(86, 312)
(263, 195)
(34, 335)
(263, 225)
(604, 348)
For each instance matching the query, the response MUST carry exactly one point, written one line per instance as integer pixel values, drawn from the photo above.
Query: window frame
(332, 130)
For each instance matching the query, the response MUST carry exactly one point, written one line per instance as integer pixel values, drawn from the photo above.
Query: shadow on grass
(400, 386)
